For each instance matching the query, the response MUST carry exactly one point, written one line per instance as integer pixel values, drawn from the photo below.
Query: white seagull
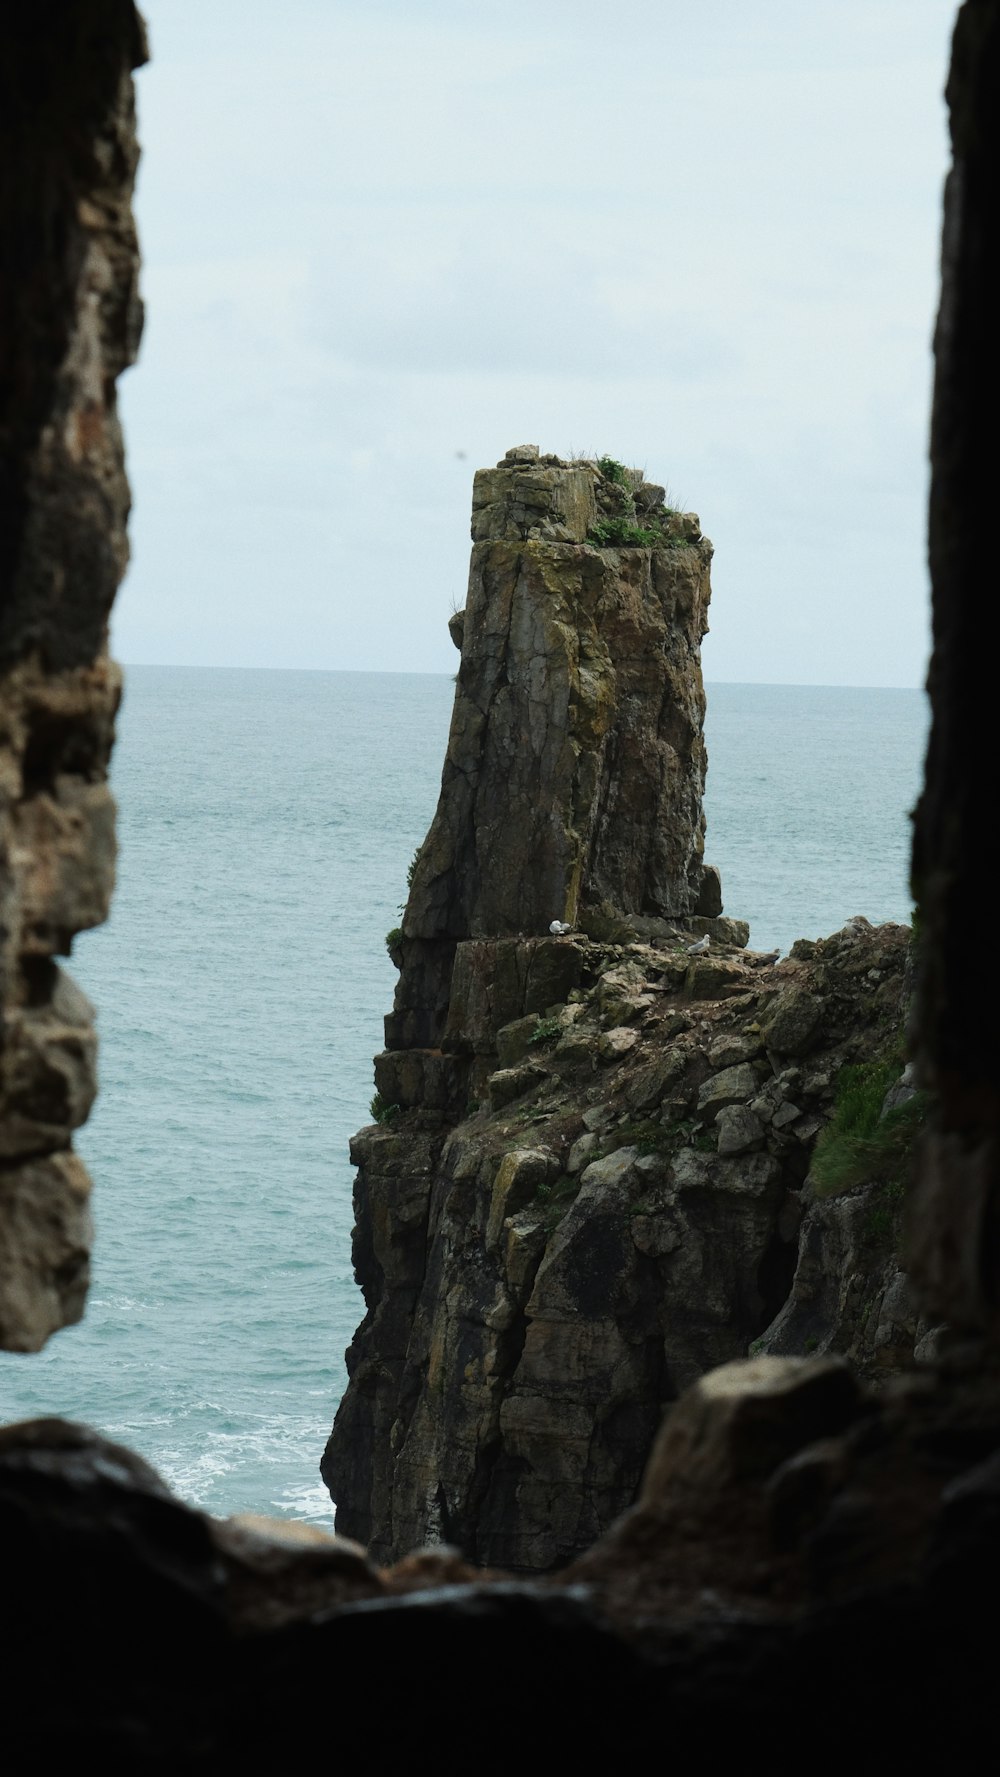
(700, 948)
(559, 928)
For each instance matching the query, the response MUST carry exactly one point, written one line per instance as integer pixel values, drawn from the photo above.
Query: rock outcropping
(586, 1185)
(575, 766)
(622, 1212)
(571, 793)
(71, 324)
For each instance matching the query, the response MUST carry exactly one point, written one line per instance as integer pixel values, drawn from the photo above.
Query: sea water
(267, 819)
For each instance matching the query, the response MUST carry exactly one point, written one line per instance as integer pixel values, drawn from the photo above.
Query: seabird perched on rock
(559, 928)
(856, 927)
(699, 948)
(762, 959)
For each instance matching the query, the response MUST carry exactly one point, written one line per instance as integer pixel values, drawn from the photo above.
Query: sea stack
(575, 771)
(592, 1160)
(571, 792)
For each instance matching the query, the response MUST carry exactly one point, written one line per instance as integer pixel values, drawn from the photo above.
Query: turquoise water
(810, 789)
(266, 823)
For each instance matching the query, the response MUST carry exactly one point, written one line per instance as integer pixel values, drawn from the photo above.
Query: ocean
(267, 819)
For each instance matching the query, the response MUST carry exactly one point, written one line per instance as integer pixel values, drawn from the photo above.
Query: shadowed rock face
(71, 323)
(956, 1237)
(547, 1267)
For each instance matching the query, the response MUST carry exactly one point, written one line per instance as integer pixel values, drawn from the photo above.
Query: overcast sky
(386, 239)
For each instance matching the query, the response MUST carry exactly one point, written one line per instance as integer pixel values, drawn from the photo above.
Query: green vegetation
(556, 1199)
(410, 873)
(648, 1136)
(381, 1112)
(393, 940)
(529, 1113)
(652, 1137)
(917, 924)
(860, 1091)
(687, 1133)
(546, 1031)
(880, 1221)
(615, 533)
(860, 1146)
(623, 531)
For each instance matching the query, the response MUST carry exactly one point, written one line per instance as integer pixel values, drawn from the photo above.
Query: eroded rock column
(571, 793)
(575, 768)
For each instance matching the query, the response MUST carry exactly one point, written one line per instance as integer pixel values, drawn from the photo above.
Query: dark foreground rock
(799, 1553)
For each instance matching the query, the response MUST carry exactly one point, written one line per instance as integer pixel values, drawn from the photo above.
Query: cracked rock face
(571, 792)
(589, 1190)
(71, 324)
(575, 767)
(560, 1229)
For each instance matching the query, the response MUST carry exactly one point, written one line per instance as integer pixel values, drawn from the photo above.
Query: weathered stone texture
(615, 1212)
(572, 791)
(575, 765)
(70, 323)
(850, 1293)
(517, 502)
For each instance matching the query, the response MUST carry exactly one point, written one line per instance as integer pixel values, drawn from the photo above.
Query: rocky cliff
(70, 325)
(586, 1185)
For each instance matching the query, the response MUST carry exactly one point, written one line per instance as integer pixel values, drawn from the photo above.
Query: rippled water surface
(266, 824)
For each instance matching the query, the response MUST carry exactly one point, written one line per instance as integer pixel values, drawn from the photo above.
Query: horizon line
(415, 673)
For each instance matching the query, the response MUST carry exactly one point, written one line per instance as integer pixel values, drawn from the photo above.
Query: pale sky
(386, 239)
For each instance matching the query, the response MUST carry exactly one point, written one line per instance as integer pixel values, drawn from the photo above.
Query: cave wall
(955, 1236)
(70, 323)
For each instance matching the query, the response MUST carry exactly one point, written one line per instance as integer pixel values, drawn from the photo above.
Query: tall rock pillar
(576, 765)
(571, 793)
